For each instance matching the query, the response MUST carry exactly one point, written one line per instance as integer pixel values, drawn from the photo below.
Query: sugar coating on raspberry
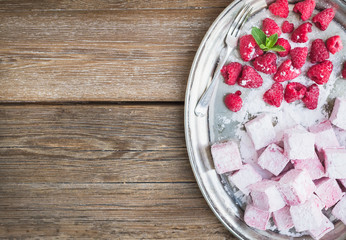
(287, 27)
(298, 56)
(250, 78)
(286, 72)
(305, 8)
(334, 44)
(319, 51)
(300, 35)
(323, 18)
(320, 73)
(274, 95)
(280, 8)
(248, 48)
(231, 72)
(266, 63)
(233, 101)
(285, 43)
(344, 70)
(311, 97)
(294, 91)
(270, 27)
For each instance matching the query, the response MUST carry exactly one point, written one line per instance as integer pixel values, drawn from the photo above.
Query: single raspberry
(233, 101)
(334, 44)
(270, 27)
(283, 42)
(300, 35)
(294, 91)
(305, 8)
(266, 63)
(319, 51)
(344, 71)
(320, 73)
(248, 48)
(323, 18)
(298, 56)
(279, 8)
(274, 95)
(286, 72)
(250, 78)
(231, 72)
(311, 97)
(287, 27)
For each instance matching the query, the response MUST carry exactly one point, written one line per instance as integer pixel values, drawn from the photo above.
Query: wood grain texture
(99, 171)
(74, 54)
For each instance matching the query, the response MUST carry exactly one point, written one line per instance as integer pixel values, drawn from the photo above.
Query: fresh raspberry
(300, 35)
(294, 91)
(286, 72)
(298, 56)
(283, 42)
(287, 27)
(274, 95)
(266, 63)
(320, 73)
(270, 27)
(250, 78)
(231, 72)
(323, 18)
(233, 101)
(305, 8)
(334, 44)
(248, 48)
(319, 51)
(344, 71)
(311, 97)
(279, 8)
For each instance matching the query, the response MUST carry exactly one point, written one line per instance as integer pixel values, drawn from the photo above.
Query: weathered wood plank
(111, 55)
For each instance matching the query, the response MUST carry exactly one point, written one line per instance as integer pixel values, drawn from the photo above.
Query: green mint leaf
(278, 48)
(272, 40)
(259, 36)
(262, 46)
(267, 41)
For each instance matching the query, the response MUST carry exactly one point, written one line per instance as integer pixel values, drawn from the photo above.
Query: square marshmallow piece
(243, 178)
(296, 186)
(261, 131)
(339, 211)
(282, 218)
(313, 166)
(328, 191)
(325, 135)
(335, 162)
(273, 159)
(299, 144)
(226, 157)
(323, 229)
(265, 195)
(338, 116)
(256, 218)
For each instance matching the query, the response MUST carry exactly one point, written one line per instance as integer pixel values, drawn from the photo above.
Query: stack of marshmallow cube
(309, 168)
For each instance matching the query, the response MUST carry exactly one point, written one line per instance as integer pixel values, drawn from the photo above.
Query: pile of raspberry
(266, 62)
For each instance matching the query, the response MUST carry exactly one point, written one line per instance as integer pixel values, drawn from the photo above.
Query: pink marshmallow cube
(338, 116)
(325, 135)
(328, 191)
(243, 178)
(226, 157)
(261, 131)
(339, 211)
(317, 201)
(313, 166)
(273, 159)
(323, 229)
(306, 216)
(282, 218)
(335, 162)
(299, 144)
(256, 218)
(265, 195)
(296, 186)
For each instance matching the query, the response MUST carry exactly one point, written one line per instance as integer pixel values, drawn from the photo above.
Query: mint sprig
(266, 43)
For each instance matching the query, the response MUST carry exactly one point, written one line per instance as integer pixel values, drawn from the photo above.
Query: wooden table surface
(91, 119)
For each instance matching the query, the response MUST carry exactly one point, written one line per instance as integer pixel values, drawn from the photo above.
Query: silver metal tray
(200, 131)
